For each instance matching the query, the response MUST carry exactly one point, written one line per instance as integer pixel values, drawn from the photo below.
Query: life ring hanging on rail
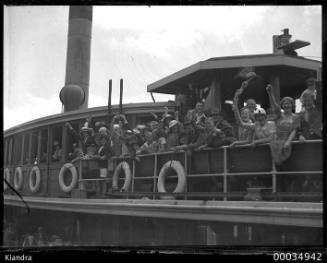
(67, 188)
(178, 167)
(34, 187)
(128, 176)
(18, 178)
(6, 174)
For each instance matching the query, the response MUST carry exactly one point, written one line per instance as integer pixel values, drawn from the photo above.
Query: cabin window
(56, 145)
(5, 152)
(72, 143)
(26, 149)
(18, 145)
(34, 146)
(44, 146)
(10, 151)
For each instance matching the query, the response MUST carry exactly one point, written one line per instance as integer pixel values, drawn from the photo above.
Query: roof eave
(237, 62)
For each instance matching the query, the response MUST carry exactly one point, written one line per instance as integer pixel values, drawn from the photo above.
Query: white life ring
(128, 176)
(18, 178)
(34, 187)
(67, 188)
(6, 174)
(178, 167)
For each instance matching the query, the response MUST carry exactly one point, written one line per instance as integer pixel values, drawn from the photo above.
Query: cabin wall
(108, 230)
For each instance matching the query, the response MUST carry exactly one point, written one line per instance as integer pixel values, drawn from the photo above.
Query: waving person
(263, 130)
(286, 124)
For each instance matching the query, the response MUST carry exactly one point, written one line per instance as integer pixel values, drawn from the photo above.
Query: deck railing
(216, 173)
(224, 163)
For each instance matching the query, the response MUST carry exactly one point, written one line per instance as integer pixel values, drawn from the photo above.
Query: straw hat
(172, 123)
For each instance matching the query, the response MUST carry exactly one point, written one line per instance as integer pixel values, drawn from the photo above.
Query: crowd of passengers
(198, 130)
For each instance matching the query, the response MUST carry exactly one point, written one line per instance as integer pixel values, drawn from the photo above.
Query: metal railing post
(81, 183)
(186, 171)
(155, 174)
(225, 172)
(133, 176)
(274, 176)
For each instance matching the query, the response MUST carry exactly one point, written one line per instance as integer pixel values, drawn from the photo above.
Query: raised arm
(69, 126)
(236, 109)
(273, 103)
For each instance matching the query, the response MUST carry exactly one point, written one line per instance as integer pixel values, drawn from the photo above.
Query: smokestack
(74, 95)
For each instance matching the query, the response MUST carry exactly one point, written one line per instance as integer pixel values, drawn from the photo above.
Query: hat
(115, 126)
(154, 122)
(250, 74)
(259, 111)
(140, 127)
(137, 131)
(85, 128)
(168, 116)
(172, 123)
(103, 130)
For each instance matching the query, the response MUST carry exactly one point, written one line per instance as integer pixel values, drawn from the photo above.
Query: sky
(140, 44)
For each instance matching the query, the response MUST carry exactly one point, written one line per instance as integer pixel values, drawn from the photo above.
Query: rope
(18, 194)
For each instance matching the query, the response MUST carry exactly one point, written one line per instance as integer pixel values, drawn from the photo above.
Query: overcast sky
(140, 44)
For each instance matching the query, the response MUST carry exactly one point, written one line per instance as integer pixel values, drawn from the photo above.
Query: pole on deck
(109, 100)
(121, 97)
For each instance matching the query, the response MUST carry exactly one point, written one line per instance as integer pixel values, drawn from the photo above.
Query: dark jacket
(106, 152)
(312, 127)
(86, 141)
(227, 129)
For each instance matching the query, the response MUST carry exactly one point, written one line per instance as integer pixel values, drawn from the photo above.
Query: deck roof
(184, 76)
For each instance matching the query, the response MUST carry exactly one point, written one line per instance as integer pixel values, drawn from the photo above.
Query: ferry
(198, 198)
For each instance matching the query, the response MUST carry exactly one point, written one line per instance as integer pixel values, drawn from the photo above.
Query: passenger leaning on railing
(129, 139)
(263, 130)
(310, 90)
(211, 137)
(286, 124)
(86, 137)
(140, 131)
(310, 119)
(157, 130)
(244, 135)
(164, 123)
(150, 145)
(227, 131)
(103, 153)
(189, 135)
(197, 116)
(251, 105)
(173, 137)
(117, 126)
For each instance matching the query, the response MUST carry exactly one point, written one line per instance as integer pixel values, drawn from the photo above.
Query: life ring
(178, 167)
(18, 178)
(67, 188)
(34, 187)
(6, 174)
(128, 176)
